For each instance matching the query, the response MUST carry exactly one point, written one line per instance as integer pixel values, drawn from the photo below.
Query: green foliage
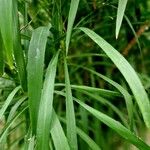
(66, 82)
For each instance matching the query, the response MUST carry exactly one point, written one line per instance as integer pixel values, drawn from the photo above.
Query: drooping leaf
(127, 71)
(127, 96)
(103, 92)
(116, 126)
(113, 124)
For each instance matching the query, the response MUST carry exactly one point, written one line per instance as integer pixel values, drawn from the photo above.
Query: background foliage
(74, 74)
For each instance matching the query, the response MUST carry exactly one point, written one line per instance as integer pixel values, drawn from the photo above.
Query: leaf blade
(70, 114)
(35, 71)
(72, 14)
(120, 13)
(46, 105)
(126, 70)
(8, 100)
(6, 28)
(58, 135)
(116, 126)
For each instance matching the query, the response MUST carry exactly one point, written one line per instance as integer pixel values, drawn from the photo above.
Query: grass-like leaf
(17, 48)
(103, 92)
(89, 141)
(6, 28)
(120, 13)
(46, 106)
(15, 107)
(58, 135)
(113, 124)
(1, 56)
(127, 71)
(127, 96)
(8, 125)
(8, 101)
(134, 33)
(107, 103)
(35, 71)
(70, 114)
(116, 126)
(72, 14)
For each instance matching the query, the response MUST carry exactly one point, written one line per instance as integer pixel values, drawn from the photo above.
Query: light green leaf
(46, 106)
(116, 126)
(89, 141)
(103, 92)
(6, 29)
(8, 125)
(127, 96)
(8, 101)
(58, 135)
(1, 56)
(72, 14)
(109, 104)
(35, 68)
(120, 13)
(15, 107)
(70, 114)
(128, 73)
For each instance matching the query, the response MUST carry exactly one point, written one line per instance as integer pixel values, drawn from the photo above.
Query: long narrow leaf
(8, 125)
(128, 73)
(116, 126)
(107, 103)
(6, 28)
(17, 48)
(35, 71)
(1, 56)
(72, 14)
(58, 135)
(70, 114)
(120, 13)
(46, 106)
(127, 96)
(8, 101)
(89, 141)
(15, 107)
(103, 92)
(113, 124)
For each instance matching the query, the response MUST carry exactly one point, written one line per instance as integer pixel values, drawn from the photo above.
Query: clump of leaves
(63, 84)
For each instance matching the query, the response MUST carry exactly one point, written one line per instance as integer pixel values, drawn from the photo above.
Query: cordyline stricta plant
(74, 74)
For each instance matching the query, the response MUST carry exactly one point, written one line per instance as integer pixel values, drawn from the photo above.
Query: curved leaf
(116, 126)
(127, 71)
